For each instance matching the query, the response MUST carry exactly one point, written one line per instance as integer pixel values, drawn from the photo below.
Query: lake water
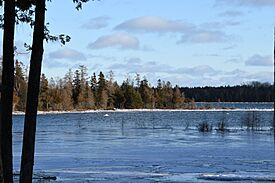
(161, 146)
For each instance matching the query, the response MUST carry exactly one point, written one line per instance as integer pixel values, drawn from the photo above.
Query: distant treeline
(251, 92)
(79, 91)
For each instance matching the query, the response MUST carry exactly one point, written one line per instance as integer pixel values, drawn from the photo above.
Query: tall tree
(76, 87)
(7, 90)
(274, 86)
(119, 99)
(178, 98)
(27, 160)
(146, 93)
(86, 98)
(66, 94)
(111, 87)
(20, 87)
(44, 94)
(101, 92)
(133, 99)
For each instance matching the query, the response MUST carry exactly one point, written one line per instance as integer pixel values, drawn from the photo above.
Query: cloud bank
(259, 60)
(96, 23)
(255, 3)
(67, 54)
(153, 24)
(190, 33)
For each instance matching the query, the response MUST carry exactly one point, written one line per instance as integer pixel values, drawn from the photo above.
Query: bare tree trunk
(1, 163)
(27, 160)
(274, 88)
(7, 90)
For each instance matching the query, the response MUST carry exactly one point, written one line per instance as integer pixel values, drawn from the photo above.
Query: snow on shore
(146, 110)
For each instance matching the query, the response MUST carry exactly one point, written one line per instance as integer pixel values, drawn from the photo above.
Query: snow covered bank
(146, 110)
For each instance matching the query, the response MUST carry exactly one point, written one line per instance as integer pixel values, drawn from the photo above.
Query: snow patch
(236, 177)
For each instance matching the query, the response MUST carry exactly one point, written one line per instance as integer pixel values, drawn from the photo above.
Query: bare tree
(7, 90)
(27, 160)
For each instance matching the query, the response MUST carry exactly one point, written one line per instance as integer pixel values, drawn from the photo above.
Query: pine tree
(76, 87)
(159, 96)
(146, 93)
(102, 96)
(119, 99)
(20, 87)
(44, 94)
(94, 83)
(132, 97)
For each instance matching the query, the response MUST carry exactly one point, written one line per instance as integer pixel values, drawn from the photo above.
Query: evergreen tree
(76, 87)
(159, 96)
(146, 94)
(20, 87)
(119, 99)
(102, 96)
(44, 94)
(93, 83)
(133, 99)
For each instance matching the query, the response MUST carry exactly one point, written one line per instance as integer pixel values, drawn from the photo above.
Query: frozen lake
(157, 146)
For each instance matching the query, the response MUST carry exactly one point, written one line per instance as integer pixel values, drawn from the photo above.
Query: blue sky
(190, 43)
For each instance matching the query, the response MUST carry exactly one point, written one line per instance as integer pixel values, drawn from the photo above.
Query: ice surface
(148, 146)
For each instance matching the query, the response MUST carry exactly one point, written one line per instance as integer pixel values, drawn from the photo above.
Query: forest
(251, 92)
(78, 91)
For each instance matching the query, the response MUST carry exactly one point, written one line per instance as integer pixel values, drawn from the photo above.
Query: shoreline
(144, 110)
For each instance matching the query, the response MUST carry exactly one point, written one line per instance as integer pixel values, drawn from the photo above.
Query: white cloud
(204, 37)
(67, 54)
(96, 23)
(198, 71)
(259, 60)
(262, 76)
(231, 13)
(201, 75)
(136, 65)
(153, 24)
(236, 72)
(255, 3)
(190, 33)
(122, 41)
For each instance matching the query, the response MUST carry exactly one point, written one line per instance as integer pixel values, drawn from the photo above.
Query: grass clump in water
(204, 127)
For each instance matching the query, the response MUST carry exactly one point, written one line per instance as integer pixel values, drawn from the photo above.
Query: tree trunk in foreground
(27, 160)
(1, 164)
(274, 88)
(7, 91)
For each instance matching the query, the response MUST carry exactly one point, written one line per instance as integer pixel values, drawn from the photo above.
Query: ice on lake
(161, 146)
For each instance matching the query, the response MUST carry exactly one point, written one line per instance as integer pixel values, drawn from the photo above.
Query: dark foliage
(251, 92)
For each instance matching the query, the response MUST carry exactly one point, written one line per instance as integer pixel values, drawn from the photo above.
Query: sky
(187, 42)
